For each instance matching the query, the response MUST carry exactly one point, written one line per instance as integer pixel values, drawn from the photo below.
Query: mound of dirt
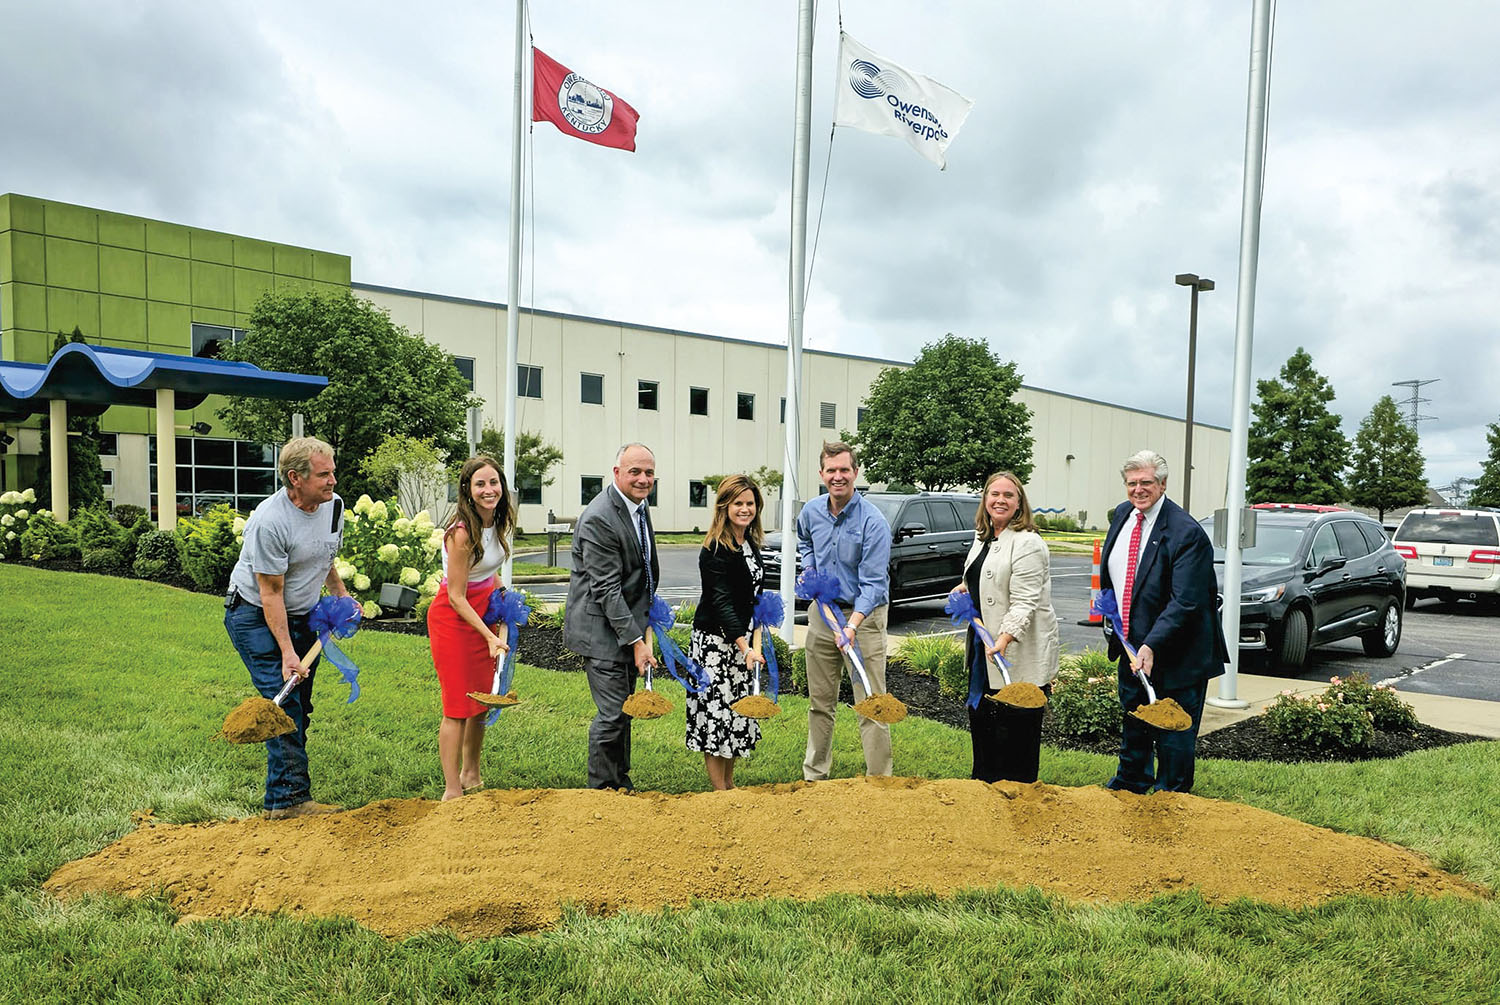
(508, 860)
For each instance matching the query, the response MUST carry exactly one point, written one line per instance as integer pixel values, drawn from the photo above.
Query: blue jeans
(287, 783)
(1141, 745)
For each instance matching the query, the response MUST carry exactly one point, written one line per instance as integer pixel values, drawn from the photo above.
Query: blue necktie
(640, 519)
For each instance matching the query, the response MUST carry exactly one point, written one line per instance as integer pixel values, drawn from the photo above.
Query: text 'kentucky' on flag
(579, 108)
(876, 95)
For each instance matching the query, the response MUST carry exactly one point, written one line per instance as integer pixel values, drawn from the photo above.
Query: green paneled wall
(134, 283)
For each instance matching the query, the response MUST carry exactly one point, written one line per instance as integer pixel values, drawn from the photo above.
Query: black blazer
(728, 599)
(1174, 599)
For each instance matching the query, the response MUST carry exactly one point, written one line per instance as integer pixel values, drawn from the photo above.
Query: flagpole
(1244, 332)
(513, 279)
(796, 275)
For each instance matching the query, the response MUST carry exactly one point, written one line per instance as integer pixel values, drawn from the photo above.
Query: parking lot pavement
(1447, 650)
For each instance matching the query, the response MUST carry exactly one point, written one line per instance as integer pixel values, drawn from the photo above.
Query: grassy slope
(114, 712)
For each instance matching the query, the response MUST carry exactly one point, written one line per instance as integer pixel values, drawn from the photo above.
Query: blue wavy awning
(92, 378)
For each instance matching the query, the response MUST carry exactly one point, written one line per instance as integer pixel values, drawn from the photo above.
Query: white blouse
(489, 562)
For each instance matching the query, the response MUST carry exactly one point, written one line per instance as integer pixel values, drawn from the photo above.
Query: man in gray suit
(614, 574)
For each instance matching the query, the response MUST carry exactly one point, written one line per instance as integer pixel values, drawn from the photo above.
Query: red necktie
(1131, 559)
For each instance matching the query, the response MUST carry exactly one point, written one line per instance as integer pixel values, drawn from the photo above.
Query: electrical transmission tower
(1416, 401)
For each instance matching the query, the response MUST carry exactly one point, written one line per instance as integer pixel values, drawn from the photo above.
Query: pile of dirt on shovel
(506, 861)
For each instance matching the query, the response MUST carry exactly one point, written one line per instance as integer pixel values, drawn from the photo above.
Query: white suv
(1450, 553)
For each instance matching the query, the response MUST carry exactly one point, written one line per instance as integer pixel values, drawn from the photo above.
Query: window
(646, 395)
(529, 489)
(698, 400)
(941, 515)
(1324, 547)
(828, 415)
(745, 405)
(214, 470)
(590, 485)
(465, 366)
(109, 444)
(697, 494)
(108, 476)
(651, 499)
(209, 340)
(528, 381)
(859, 417)
(591, 388)
(783, 411)
(1374, 536)
(1351, 541)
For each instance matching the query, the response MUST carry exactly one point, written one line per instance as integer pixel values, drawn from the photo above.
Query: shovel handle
(1146, 683)
(287, 688)
(847, 648)
(755, 646)
(999, 660)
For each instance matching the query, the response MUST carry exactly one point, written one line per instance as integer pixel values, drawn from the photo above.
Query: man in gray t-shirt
(291, 541)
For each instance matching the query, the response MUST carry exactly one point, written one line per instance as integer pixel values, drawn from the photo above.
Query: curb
(533, 580)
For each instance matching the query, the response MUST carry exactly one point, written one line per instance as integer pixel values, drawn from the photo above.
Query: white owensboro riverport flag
(880, 97)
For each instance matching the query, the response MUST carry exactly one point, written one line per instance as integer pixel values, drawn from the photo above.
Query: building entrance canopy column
(85, 380)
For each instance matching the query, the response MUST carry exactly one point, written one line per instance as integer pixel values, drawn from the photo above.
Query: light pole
(1197, 285)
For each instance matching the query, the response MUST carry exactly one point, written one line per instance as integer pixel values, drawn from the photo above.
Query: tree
(85, 473)
(1297, 451)
(381, 379)
(1387, 467)
(1486, 491)
(949, 420)
(413, 471)
(534, 456)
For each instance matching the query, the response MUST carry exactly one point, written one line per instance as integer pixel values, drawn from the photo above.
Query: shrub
(157, 556)
(1386, 709)
(46, 540)
(1085, 700)
(1055, 521)
(685, 613)
(798, 675)
(210, 546)
(383, 546)
(104, 560)
(98, 531)
(128, 513)
(953, 674)
(923, 653)
(1316, 722)
(16, 511)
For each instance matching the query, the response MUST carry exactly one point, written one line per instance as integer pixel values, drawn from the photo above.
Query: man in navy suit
(1160, 564)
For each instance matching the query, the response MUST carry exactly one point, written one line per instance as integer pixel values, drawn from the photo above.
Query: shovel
(754, 705)
(1164, 715)
(256, 720)
(494, 698)
(646, 704)
(884, 707)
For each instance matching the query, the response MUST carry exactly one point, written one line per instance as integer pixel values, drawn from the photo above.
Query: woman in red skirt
(464, 648)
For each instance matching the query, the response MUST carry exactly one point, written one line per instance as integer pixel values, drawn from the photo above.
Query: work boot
(305, 808)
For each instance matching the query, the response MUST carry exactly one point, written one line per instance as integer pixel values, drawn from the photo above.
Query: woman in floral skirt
(729, 565)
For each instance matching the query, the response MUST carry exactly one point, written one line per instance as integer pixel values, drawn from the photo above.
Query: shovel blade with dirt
(1165, 714)
(883, 707)
(756, 705)
(256, 720)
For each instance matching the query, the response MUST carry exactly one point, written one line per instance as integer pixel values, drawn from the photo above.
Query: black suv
(1317, 574)
(930, 536)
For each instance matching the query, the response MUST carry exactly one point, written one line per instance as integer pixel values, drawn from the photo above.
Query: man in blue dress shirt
(843, 534)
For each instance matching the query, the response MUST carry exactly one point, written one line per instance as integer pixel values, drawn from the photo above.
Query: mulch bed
(1248, 740)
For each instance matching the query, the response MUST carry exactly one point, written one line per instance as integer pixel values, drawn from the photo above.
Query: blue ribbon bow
(822, 589)
(660, 620)
(962, 612)
(1108, 607)
(337, 617)
(770, 612)
(507, 607)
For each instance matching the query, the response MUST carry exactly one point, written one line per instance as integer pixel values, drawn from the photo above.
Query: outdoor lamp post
(1197, 285)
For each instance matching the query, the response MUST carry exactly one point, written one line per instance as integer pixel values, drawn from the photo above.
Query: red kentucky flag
(579, 108)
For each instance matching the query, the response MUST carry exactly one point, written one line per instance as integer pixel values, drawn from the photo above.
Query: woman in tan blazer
(1008, 574)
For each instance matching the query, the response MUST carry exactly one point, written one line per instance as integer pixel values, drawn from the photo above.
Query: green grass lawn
(114, 688)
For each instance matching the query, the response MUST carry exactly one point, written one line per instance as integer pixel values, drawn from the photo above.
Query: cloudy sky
(1103, 156)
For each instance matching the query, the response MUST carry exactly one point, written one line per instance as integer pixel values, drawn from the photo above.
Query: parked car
(930, 536)
(1451, 554)
(1316, 574)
